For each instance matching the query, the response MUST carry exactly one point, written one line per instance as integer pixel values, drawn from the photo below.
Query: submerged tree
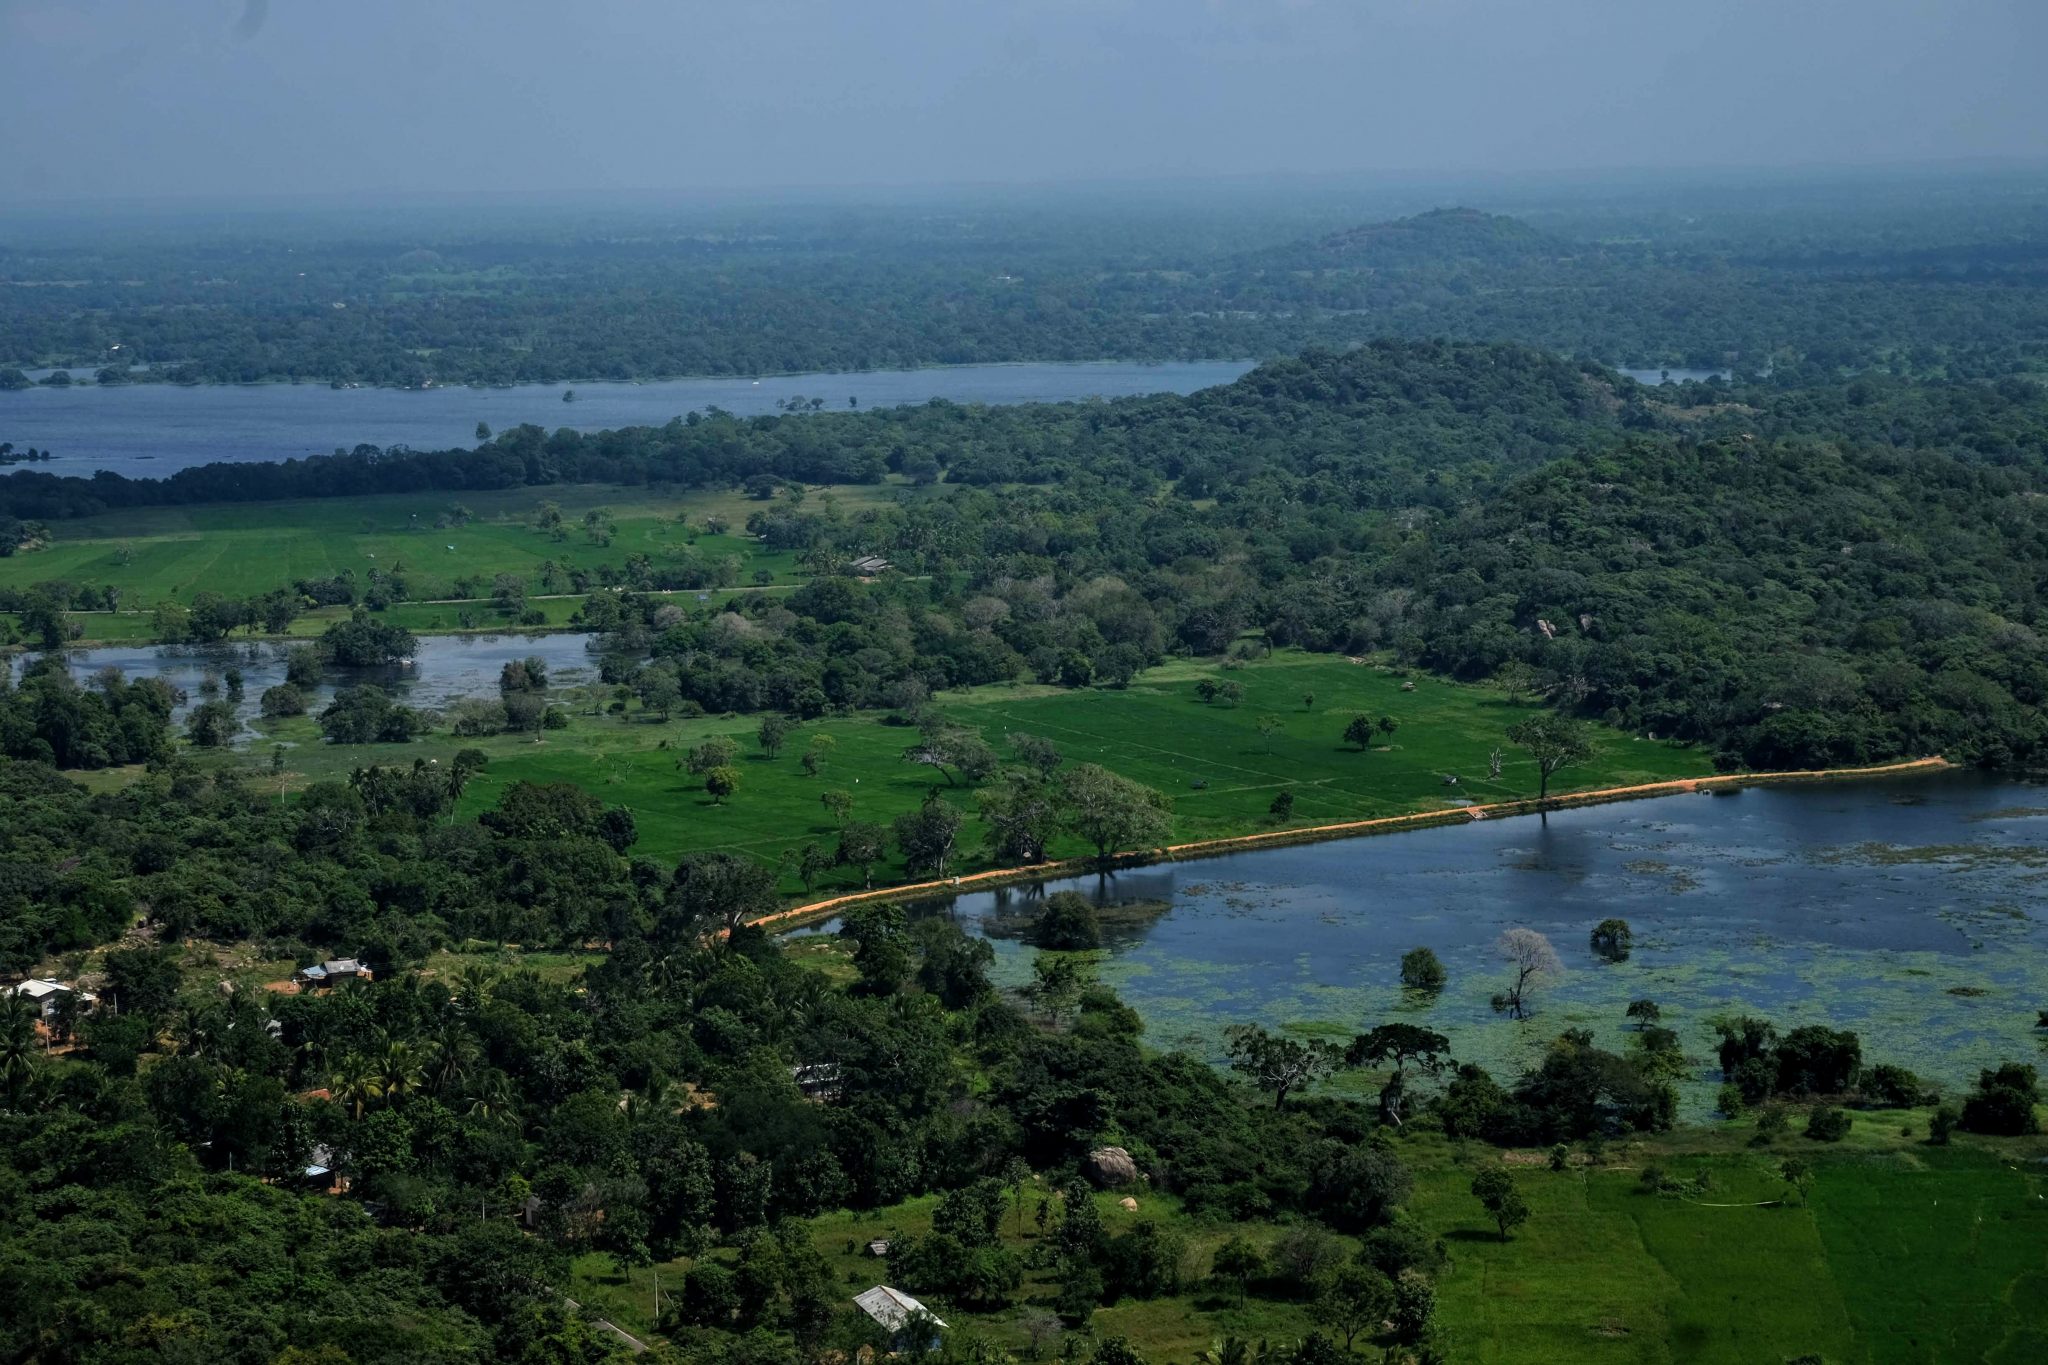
(1613, 939)
(1423, 971)
(1532, 963)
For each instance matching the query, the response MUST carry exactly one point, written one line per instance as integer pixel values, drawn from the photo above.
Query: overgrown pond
(1910, 910)
(445, 668)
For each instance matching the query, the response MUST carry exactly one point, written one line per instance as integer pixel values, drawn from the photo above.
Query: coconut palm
(18, 1046)
(356, 1083)
(402, 1070)
(454, 1052)
(491, 1097)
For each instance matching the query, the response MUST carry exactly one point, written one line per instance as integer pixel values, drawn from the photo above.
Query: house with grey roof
(910, 1325)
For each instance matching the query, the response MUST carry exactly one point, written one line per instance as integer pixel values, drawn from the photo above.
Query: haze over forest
(228, 98)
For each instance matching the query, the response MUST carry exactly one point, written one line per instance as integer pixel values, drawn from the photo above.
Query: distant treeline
(1958, 289)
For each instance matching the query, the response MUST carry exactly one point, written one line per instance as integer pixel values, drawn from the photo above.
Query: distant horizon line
(1701, 174)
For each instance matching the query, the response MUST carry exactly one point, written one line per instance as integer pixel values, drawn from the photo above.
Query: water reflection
(445, 668)
(1910, 910)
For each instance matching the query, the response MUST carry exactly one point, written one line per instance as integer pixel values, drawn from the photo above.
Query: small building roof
(333, 966)
(892, 1307)
(45, 992)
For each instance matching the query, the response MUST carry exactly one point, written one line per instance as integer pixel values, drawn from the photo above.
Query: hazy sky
(213, 97)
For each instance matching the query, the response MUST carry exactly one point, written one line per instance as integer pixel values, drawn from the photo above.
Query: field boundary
(1345, 829)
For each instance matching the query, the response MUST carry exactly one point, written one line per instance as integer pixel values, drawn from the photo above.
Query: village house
(49, 997)
(323, 974)
(911, 1326)
(821, 1082)
(869, 566)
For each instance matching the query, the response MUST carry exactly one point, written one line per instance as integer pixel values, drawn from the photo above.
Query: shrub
(1891, 1087)
(2003, 1102)
(285, 699)
(1828, 1124)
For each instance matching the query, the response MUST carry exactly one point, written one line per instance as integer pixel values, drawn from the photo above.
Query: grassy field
(1899, 1252)
(1156, 731)
(159, 554)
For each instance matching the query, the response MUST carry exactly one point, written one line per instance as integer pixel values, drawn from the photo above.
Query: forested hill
(1794, 602)
(1452, 234)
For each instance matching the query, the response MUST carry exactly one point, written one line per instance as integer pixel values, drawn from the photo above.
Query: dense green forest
(1801, 576)
(157, 1187)
(1941, 278)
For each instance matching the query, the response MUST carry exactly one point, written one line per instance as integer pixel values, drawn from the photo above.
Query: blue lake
(1911, 910)
(151, 430)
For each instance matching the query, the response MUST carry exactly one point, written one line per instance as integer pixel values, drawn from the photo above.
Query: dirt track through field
(1206, 848)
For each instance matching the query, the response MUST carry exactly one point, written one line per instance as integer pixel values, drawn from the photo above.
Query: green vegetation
(1359, 582)
(1483, 511)
(1215, 763)
(1927, 274)
(150, 555)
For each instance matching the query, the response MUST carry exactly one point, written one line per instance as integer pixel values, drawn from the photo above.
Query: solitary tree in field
(1532, 962)
(1268, 726)
(838, 803)
(1112, 812)
(1495, 1190)
(722, 782)
(1354, 1299)
(1359, 733)
(773, 733)
(811, 862)
(1644, 1013)
(862, 844)
(928, 836)
(719, 751)
(1554, 741)
(1277, 1063)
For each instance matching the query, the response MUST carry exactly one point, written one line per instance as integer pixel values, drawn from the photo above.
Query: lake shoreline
(466, 387)
(946, 888)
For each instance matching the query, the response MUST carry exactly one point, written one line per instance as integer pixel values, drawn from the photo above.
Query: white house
(47, 994)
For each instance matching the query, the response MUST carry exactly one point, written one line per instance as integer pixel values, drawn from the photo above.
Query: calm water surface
(151, 430)
(1910, 910)
(447, 667)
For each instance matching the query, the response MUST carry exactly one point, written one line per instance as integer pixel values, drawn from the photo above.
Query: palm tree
(491, 1097)
(18, 1062)
(453, 1053)
(356, 1083)
(402, 1071)
(473, 987)
(191, 1030)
